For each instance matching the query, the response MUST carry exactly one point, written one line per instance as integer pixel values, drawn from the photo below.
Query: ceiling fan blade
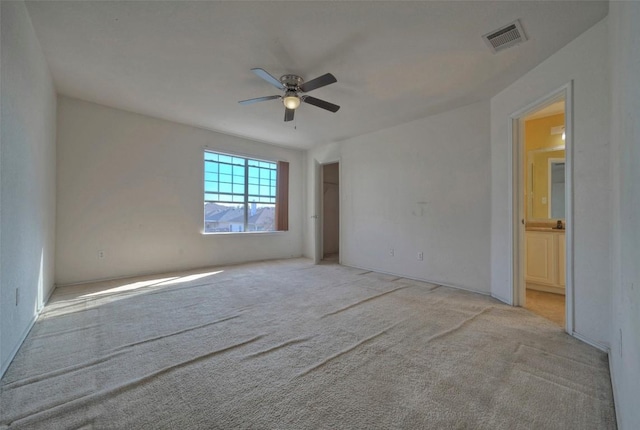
(258, 99)
(318, 82)
(261, 73)
(321, 104)
(288, 114)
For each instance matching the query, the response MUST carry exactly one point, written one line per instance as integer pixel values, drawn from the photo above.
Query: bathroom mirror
(546, 184)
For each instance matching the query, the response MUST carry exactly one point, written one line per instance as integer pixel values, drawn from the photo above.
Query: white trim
(25, 333)
(244, 233)
(502, 299)
(599, 345)
(614, 388)
(516, 207)
(569, 195)
(319, 209)
(516, 232)
(340, 211)
(188, 269)
(439, 283)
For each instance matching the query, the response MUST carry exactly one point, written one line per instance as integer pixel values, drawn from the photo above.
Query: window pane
(261, 217)
(227, 193)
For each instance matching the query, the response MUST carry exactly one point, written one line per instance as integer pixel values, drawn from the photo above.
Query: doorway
(331, 212)
(542, 203)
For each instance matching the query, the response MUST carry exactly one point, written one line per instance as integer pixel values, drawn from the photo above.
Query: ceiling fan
(293, 86)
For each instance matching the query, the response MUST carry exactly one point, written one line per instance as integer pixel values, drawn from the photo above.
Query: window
(244, 194)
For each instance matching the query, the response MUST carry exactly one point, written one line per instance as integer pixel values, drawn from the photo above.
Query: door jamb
(319, 209)
(516, 197)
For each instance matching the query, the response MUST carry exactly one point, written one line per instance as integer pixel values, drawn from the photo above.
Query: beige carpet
(290, 345)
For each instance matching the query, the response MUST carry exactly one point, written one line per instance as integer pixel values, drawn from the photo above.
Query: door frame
(319, 209)
(517, 155)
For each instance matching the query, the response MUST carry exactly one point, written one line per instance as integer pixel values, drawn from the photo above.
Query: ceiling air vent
(505, 37)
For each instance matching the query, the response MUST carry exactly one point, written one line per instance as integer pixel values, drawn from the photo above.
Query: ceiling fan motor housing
(292, 82)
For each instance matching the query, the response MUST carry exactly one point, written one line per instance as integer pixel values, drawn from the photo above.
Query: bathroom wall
(538, 135)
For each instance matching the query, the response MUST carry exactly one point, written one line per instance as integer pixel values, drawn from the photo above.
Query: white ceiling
(395, 61)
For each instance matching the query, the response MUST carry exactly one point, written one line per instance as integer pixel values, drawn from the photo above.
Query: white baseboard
(502, 299)
(457, 287)
(170, 271)
(24, 335)
(601, 346)
(613, 390)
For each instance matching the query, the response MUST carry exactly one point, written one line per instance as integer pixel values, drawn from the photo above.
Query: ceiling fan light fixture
(291, 100)
(293, 85)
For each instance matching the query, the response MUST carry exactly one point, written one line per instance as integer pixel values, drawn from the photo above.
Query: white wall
(419, 187)
(585, 61)
(132, 186)
(27, 179)
(625, 143)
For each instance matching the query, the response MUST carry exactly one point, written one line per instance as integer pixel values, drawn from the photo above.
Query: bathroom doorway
(543, 189)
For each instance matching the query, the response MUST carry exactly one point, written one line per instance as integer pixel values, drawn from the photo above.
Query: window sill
(244, 233)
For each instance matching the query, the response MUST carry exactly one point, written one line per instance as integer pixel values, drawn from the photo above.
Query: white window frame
(246, 196)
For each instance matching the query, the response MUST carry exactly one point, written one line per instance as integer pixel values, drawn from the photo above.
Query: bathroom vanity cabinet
(545, 262)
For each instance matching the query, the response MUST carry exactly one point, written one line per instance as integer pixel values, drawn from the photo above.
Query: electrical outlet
(100, 254)
(420, 256)
(392, 252)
